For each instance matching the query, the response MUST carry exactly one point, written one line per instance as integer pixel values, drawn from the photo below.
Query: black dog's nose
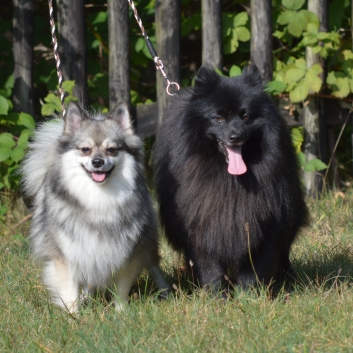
(233, 138)
(97, 162)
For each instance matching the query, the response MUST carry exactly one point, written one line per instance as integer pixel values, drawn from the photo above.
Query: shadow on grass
(326, 267)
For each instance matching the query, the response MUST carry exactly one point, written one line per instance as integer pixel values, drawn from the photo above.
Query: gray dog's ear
(121, 115)
(73, 118)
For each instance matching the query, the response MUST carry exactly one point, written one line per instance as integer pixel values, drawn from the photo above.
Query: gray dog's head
(98, 142)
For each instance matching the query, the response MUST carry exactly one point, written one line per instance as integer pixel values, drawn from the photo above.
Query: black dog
(227, 180)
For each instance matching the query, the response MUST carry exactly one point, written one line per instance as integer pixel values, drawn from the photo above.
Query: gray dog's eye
(85, 151)
(112, 151)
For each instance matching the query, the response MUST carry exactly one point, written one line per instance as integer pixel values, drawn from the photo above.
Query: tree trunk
(23, 40)
(119, 68)
(72, 45)
(168, 48)
(261, 37)
(212, 33)
(313, 180)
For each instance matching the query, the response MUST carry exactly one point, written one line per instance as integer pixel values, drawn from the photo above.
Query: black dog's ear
(73, 118)
(121, 115)
(252, 75)
(206, 77)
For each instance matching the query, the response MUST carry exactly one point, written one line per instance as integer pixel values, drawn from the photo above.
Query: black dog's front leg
(206, 271)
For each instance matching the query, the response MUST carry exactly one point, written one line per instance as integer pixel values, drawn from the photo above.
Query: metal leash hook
(157, 61)
(160, 67)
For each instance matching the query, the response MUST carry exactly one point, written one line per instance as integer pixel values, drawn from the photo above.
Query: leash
(158, 62)
(57, 56)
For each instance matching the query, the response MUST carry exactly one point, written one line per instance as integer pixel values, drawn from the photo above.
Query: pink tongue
(236, 165)
(98, 176)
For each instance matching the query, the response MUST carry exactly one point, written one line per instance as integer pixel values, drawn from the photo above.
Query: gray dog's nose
(97, 162)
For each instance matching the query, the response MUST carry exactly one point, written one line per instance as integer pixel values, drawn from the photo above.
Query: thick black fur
(214, 217)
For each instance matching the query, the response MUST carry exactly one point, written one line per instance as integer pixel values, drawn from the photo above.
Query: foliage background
(294, 28)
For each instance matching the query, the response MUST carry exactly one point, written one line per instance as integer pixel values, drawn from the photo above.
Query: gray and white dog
(93, 224)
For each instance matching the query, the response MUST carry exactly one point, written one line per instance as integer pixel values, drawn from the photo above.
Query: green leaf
(315, 69)
(4, 106)
(5, 153)
(234, 71)
(297, 24)
(6, 140)
(139, 44)
(243, 34)
(331, 78)
(321, 35)
(47, 109)
(276, 87)
(10, 82)
(23, 139)
(310, 17)
(101, 17)
(293, 4)
(299, 93)
(294, 75)
(17, 154)
(341, 87)
(241, 19)
(194, 22)
(53, 104)
(27, 121)
(308, 167)
(297, 139)
(69, 86)
(314, 164)
(312, 78)
(301, 64)
(285, 17)
(219, 72)
(316, 49)
(5, 92)
(301, 158)
(313, 81)
(313, 28)
(69, 99)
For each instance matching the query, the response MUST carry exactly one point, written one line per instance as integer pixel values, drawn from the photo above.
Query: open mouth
(233, 154)
(99, 176)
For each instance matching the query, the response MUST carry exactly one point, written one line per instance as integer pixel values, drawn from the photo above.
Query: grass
(316, 316)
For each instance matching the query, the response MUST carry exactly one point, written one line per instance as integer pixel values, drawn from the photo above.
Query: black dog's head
(229, 112)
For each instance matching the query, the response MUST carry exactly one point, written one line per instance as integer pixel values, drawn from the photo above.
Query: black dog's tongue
(236, 165)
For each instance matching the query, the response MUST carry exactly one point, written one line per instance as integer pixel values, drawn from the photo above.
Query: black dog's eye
(112, 151)
(246, 117)
(85, 151)
(219, 118)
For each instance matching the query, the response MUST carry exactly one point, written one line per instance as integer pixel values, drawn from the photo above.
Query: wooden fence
(315, 118)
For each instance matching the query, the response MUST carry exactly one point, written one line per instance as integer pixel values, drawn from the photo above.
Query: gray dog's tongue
(98, 176)
(236, 165)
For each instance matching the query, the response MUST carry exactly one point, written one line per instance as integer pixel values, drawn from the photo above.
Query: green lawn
(316, 316)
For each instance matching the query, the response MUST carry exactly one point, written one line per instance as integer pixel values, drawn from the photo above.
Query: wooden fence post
(23, 39)
(212, 33)
(352, 50)
(168, 48)
(119, 68)
(72, 44)
(261, 37)
(313, 180)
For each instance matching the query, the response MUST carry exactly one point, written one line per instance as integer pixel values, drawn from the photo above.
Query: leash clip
(160, 67)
